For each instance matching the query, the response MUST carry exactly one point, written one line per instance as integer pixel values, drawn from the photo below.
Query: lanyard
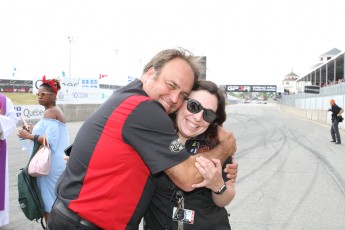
(179, 211)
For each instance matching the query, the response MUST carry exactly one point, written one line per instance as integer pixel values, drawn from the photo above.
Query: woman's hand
(30, 127)
(231, 170)
(211, 171)
(22, 133)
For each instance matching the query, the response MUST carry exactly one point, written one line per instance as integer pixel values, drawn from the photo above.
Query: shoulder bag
(40, 162)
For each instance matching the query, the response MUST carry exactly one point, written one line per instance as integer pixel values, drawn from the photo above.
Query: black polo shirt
(207, 214)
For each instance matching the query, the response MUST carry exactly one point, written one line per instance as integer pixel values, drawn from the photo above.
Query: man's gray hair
(164, 56)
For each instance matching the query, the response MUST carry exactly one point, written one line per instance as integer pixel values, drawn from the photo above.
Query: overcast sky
(246, 42)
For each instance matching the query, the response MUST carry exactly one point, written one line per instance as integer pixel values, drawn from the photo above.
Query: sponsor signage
(79, 91)
(312, 89)
(251, 88)
(29, 111)
(7, 85)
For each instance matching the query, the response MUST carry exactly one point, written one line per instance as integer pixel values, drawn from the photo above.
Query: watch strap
(221, 190)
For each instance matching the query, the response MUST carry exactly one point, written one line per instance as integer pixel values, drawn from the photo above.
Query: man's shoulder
(337, 107)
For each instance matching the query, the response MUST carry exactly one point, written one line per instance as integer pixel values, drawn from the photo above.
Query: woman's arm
(224, 199)
(22, 133)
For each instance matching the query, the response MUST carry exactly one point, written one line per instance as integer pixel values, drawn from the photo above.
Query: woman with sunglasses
(196, 123)
(53, 127)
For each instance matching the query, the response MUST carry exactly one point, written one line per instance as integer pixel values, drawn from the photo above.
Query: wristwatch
(221, 190)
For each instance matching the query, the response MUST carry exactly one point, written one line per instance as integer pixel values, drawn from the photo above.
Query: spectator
(53, 127)
(336, 115)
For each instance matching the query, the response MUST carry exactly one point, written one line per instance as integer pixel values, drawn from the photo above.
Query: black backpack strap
(42, 224)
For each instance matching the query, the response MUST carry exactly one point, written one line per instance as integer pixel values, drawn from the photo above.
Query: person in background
(196, 123)
(8, 122)
(53, 127)
(109, 178)
(336, 114)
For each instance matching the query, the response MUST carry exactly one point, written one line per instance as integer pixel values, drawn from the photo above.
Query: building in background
(327, 72)
(289, 83)
(328, 56)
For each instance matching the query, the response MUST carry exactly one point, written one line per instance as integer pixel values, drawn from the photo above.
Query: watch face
(221, 190)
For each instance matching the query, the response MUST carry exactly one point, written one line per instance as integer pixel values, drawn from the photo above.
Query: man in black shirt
(336, 118)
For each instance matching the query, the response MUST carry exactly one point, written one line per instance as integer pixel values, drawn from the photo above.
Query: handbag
(29, 195)
(40, 163)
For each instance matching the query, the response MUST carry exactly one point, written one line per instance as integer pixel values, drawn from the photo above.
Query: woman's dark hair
(211, 133)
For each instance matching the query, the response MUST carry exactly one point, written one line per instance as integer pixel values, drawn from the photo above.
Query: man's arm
(185, 174)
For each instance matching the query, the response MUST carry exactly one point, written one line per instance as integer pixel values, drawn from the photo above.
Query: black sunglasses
(194, 106)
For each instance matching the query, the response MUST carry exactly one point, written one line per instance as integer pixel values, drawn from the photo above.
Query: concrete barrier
(72, 112)
(80, 112)
(321, 116)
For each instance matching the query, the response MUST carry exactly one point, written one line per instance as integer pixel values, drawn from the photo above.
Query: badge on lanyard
(180, 214)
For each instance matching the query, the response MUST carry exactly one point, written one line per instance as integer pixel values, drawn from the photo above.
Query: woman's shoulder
(54, 113)
(51, 121)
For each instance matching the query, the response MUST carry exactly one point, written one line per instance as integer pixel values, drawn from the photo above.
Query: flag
(102, 76)
(14, 71)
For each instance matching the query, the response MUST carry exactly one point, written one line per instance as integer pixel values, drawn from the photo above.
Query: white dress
(8, 123)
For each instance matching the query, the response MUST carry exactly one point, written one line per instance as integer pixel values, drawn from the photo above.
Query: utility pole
(115, 70)
(70, 40)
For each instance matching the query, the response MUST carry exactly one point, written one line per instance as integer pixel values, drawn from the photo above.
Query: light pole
(115, 70)
(70, 40)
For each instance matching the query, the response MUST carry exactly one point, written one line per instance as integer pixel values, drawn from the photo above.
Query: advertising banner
(29, 111)
(79, 91)
(251, 88)
(7, 85)
(312, 89)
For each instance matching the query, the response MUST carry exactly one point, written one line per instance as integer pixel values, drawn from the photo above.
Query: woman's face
(44, 96)
(189, 124)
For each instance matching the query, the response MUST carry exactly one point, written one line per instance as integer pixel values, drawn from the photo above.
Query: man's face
(171, 86)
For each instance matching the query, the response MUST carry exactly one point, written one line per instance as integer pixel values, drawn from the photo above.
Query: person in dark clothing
(196, 123)
(336, 118)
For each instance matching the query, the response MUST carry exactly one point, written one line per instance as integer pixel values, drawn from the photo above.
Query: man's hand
(231, 170)
(228, 139)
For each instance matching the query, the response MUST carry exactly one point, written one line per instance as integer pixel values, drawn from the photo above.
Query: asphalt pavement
(290, 175)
